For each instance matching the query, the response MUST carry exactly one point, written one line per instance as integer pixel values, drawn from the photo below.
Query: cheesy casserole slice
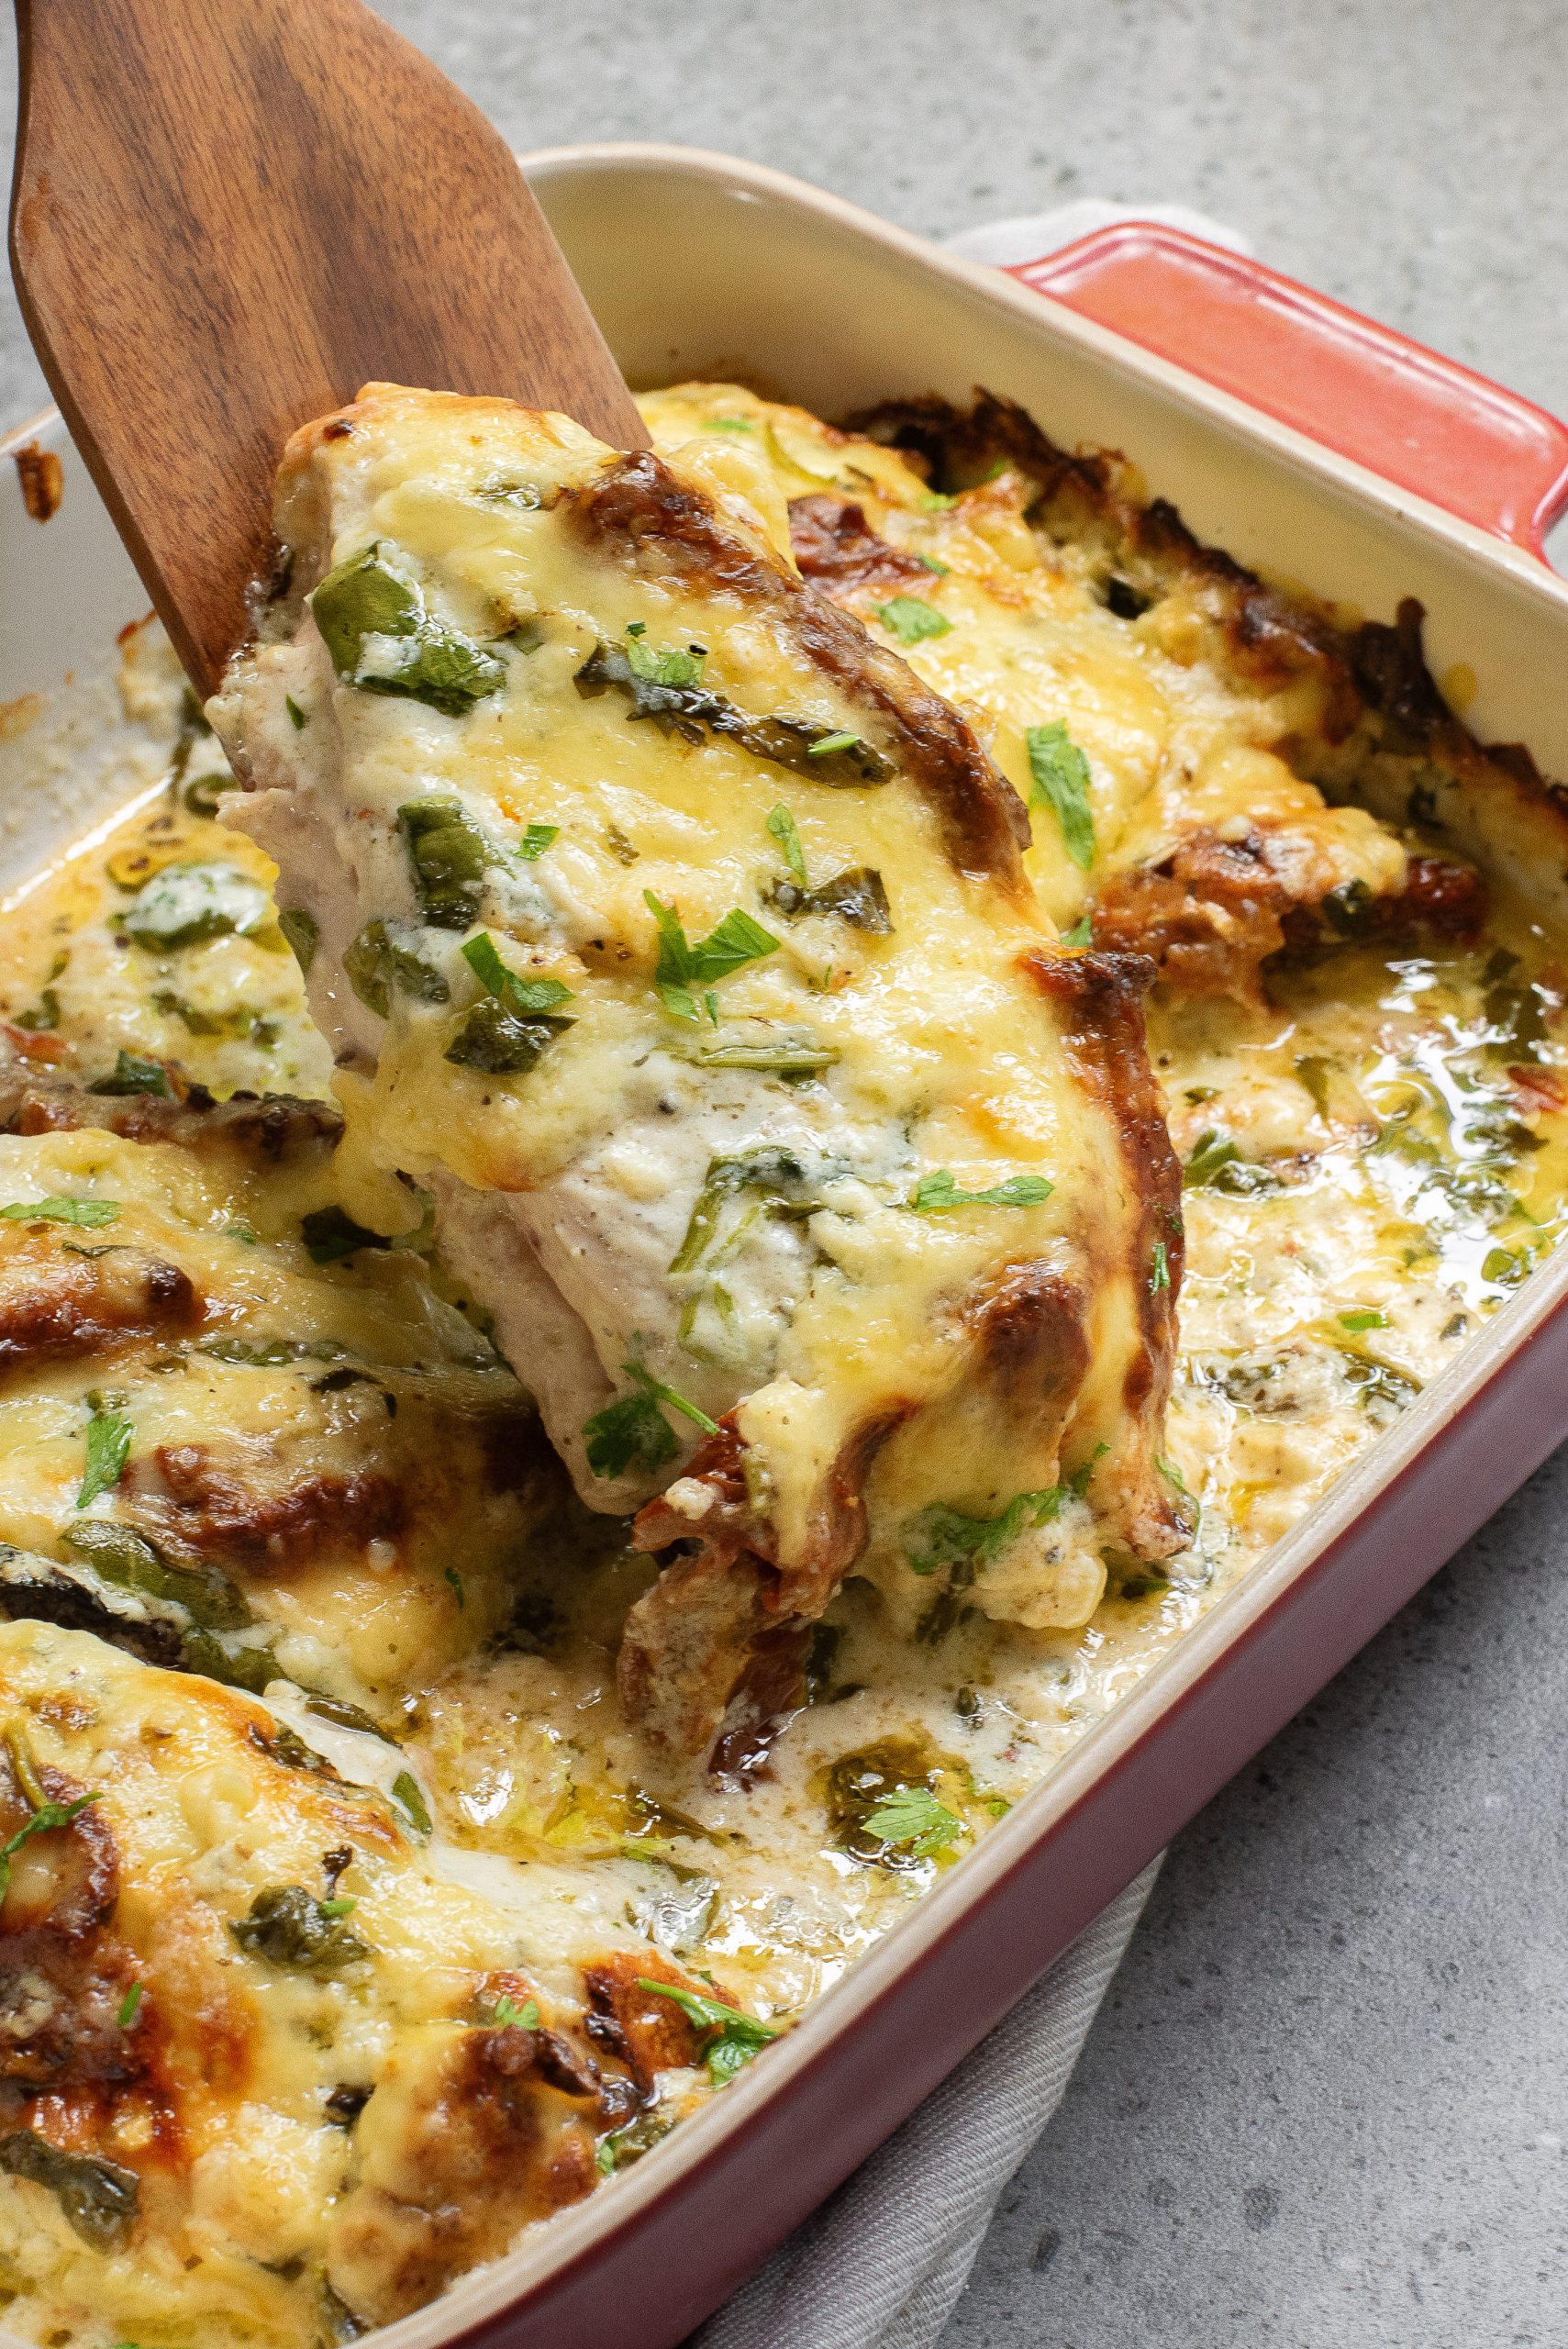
(680, 942)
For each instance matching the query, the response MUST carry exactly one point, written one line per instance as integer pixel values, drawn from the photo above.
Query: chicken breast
(679, 940)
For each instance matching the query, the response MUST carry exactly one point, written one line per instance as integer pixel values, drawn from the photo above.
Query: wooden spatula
(227, 215)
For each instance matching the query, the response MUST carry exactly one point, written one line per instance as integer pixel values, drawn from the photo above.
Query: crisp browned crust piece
(263, 1129)
(638, 512)
(1410, 717)
(1214, 911)
(834, 545)
(467, 2138)
(723, 1634)
(648, 2034)
(1207, 916)
(57, 1305)
(1102, 995)
(62, 1974)
(229, 1512)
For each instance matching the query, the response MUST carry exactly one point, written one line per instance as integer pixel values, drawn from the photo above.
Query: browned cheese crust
(1212, 912)
(639, 513)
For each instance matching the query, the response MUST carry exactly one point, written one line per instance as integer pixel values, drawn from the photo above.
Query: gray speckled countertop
(1327, 2105)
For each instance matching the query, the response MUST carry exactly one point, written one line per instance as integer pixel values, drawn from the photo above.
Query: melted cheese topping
(1377, 1154)
(248, 2054)
(931, 1050)
(1011, 633)
(342, 1450)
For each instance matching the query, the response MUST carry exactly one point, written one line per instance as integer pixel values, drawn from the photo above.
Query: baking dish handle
(1418, 420)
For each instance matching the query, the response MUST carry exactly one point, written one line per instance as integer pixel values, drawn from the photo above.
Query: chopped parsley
(1061, 778)
(737, 2036)
(934, 1194)
(948, 1537)
(684, 964)
(664, 664)
(630, 1433)
(525, 998)
(505, 1034)
(827, 746)
(45, 1817)
(1159, 1270)
(109, 1445)
(93, 1213)
(782, 826)
(656, 1389)
(129, 2006)
(1367, 1320)
(1215, 1165)
(1082, 934)
(629, 2144)
(510, 2016)
(911, 1820)
(297, 717)
(536, 838)
(634, 1431)
(911, 619)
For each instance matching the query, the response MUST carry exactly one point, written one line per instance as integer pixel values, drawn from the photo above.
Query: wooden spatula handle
(227, 215)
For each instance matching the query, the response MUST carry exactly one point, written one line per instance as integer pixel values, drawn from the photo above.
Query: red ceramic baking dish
(1314, 445)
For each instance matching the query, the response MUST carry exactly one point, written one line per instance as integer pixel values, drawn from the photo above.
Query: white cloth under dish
(1030, 236)
(881, 2265)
